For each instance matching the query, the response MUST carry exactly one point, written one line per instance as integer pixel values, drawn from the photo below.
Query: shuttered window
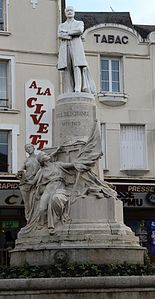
(133, 147)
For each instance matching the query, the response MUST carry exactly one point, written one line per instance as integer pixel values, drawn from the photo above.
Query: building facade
(121, 57)
(29, 83)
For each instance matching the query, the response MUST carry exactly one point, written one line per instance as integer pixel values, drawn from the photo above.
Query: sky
(141, 11)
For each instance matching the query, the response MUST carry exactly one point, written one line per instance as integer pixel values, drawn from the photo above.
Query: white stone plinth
(75, 114)
(95, 234)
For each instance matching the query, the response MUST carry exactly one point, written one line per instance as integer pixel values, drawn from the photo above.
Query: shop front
(138, 199)
(11, 215)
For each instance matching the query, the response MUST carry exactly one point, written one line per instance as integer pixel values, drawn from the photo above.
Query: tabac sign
(39, 96)
(114, 38)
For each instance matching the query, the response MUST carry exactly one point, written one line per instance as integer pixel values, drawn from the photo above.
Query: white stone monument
(72, 215)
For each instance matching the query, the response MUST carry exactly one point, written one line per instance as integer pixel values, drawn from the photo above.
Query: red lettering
(33, 85)
(41, 144)
(43, 128)
(38, 108)
(37, 139)
(39, 91)
(29, 102)
(47, 92)
(35, 119)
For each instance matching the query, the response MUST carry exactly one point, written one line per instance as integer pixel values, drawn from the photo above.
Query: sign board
(11, 198)
(10, 194)
(40, 102)
(111, 39)
(136, 195)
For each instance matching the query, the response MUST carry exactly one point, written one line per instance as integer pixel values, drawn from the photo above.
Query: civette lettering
(38, 114)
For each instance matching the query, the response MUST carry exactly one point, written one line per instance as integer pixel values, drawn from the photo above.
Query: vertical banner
(40, 101)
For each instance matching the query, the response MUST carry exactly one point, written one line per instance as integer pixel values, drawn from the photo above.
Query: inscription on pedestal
(72, 121)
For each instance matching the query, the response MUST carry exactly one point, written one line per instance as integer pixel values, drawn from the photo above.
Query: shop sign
(9, 185)
(111, 39)
(136, 196)
(9, 198)
(40, 103)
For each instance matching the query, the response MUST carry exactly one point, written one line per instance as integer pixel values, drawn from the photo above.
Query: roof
(144, 30)
(94, 18)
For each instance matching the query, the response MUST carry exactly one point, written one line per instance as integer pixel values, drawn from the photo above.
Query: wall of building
(29, 48)
(31, 42)
(135, 103)
(133, 106)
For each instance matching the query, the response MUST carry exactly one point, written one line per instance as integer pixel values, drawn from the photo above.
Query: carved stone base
(81, 255)
(95, 235)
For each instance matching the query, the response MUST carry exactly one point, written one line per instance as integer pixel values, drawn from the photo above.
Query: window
(3, 15)
(7, 81)
(133, 147)
(110, 75)
(3, 84)
(4, 151)
(8, 153)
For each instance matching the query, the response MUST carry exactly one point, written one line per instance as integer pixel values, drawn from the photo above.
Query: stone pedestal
(75, 114)
(95, 234)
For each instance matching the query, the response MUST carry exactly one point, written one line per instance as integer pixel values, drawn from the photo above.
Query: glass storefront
(139, 211)
(11, 216)
(143, 224)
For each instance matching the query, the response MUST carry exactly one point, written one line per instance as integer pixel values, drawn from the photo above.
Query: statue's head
(69, 12)
(43, 157)
(29, 148)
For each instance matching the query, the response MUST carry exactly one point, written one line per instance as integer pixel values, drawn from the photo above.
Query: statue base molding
(77, 254)
(97, 237)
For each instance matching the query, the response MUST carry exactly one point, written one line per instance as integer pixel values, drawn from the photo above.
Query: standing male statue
(72, 61)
